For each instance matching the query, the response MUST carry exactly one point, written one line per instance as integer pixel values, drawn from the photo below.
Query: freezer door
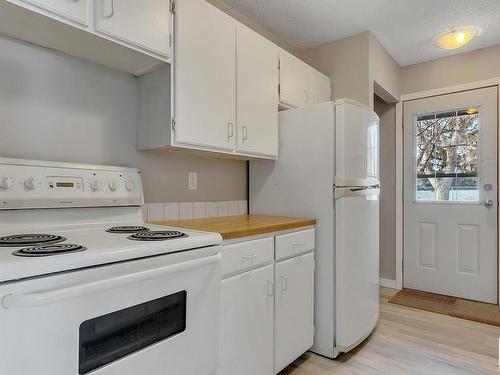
(357, 266)
(356, 140)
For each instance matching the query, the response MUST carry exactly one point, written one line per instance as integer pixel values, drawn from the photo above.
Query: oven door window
(112, 336)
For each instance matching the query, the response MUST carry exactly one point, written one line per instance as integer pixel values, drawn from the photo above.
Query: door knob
(488, 203)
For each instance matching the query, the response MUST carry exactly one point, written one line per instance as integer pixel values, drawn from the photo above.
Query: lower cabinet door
(294, 327)
(247, 323)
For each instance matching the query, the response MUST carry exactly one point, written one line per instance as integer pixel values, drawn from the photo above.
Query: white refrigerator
(328, 169)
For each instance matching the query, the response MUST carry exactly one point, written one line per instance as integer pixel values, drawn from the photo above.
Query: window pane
(447, 156)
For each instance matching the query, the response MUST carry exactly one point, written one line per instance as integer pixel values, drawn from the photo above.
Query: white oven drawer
(246, 255)
(291, 244)
(145, 317)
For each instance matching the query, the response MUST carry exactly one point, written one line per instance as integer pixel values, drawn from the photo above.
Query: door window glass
(447, 156)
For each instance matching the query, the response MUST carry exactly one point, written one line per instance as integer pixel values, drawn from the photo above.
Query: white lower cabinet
(294, 307)
(267, 304)
(247, 323)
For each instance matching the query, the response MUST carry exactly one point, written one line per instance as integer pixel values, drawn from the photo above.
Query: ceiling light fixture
(457, 37)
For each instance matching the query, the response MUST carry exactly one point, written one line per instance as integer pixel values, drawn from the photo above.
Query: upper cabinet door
(204, 76)
(75, 11)
(257, 98)
(319, 87)
(294, 81)
(144, 24)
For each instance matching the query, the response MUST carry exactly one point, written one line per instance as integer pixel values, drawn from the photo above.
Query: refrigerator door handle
(356, 192)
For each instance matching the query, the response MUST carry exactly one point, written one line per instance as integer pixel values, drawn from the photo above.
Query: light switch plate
(192, 181)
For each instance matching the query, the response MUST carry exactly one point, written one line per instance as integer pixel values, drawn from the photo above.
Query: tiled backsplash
(191, 210)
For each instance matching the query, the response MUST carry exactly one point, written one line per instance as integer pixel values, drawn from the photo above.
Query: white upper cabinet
(300, 84)
(70, 10)
(144, 24)
(294, 81)
(204, 77)
(319, 87)
(257, 94)
(127, 35)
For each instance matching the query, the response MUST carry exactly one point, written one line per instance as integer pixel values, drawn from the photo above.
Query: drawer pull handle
(284, 283)
(298, 246)
(249, 257)
(270, 288)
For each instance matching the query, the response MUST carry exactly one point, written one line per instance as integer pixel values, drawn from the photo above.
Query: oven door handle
(27, 300)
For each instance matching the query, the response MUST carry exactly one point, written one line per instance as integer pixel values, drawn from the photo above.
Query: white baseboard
(388, 283)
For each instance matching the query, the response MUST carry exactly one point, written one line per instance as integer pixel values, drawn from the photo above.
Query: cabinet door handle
(284, 283)
(244, 133)
(230, 130)
(270, 288)
(111, 12)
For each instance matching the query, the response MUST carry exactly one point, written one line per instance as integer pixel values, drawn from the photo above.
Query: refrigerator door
(356, 143)
(357, 265)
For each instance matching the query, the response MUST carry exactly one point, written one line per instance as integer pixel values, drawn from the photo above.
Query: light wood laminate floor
(414, 342)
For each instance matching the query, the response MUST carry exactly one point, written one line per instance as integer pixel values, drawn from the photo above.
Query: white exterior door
(450, 194)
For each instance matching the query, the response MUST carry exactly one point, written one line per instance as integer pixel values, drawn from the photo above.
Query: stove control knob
(113, 186)
(94, 185)
(29, 183)
(130, 185)
(5, 183)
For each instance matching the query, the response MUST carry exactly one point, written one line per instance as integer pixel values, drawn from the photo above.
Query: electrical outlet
(193, 180)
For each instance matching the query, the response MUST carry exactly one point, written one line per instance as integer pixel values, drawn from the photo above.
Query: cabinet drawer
(288, 245)
(246, 255)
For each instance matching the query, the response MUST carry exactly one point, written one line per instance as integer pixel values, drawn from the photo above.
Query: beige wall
(448, 71)
(346, 62)
(56, 107)
(358, 67)
(384, 72)
(387, 114)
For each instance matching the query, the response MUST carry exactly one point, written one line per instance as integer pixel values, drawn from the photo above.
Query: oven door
(152, 316)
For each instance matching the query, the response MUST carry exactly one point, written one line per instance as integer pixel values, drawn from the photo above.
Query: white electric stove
(87, 287)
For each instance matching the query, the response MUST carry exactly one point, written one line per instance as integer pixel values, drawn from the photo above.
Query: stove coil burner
(47, 250)
(157, 235)
(30, 239)
(127, 229)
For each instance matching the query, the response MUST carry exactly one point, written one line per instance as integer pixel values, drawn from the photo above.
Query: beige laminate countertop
(231, 227)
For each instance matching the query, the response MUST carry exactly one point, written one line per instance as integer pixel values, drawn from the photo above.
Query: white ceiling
(406, 28)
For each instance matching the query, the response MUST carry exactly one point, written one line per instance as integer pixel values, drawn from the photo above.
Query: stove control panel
(36, 184)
